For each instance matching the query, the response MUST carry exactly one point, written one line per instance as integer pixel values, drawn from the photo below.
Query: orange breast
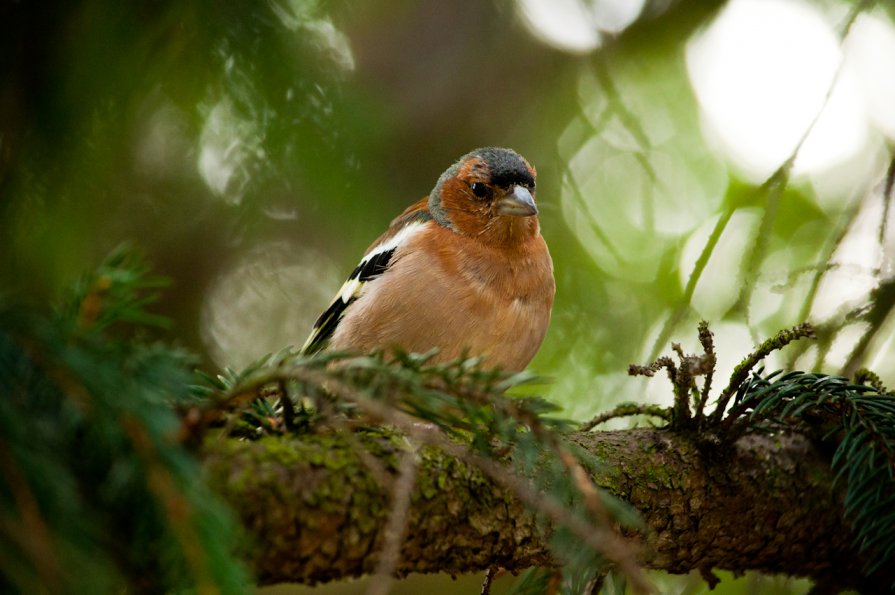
(457, 297)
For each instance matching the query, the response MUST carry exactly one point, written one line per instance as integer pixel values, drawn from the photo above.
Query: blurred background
(726, 161)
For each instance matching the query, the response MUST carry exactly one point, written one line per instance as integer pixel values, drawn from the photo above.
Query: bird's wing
(374, 263)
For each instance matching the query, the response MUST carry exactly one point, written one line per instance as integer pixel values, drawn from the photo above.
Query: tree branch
(317, 513)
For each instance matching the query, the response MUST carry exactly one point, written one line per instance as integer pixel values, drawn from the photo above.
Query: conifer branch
(765, 503)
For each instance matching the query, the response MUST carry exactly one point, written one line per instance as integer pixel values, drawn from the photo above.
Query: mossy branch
(316, 512)
(458, 407)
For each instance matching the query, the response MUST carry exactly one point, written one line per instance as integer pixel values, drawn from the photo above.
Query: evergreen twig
(87, 419)
(706, 339)
(741, 371)
(396, 526)
(683, 379)
(860, 419)
(628, 410)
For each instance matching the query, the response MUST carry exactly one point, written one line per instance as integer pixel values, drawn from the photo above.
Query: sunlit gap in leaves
(855, 266)
(631, 191)
(774, 79)
(575, 26)
(762, 72)
(305, 18)
(229, 144)
(163, 144)
(266, 301)
(240, 120)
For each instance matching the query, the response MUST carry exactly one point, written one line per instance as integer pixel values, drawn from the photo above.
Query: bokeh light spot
(305, 18)
(576, 26)
(630, 193)
(227, 144)
(266, 301)
(761, 72)
(870, 55)
(855, 264)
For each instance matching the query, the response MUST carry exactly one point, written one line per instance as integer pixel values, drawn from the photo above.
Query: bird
(463, 271)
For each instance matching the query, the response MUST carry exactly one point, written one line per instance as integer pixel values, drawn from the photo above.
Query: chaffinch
(464, 270)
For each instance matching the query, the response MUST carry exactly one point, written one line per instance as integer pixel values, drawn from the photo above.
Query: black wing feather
(326, 324)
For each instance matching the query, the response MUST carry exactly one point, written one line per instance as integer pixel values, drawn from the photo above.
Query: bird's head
(489, 194)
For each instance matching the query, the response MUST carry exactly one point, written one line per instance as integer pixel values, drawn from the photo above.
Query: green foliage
(534, 581)
(118, 291)
(860, 421)
(96, 492)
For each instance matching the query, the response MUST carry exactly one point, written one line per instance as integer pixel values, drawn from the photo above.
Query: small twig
(888, 187)
(683, 378)
(161, 481)
(831, 245)
(288, 406)
(881, 303)
(772, 190)
(651, 369)
(627, 410)
(870, 378)
(709, 577)
(396, 526)
(698, 269)
(585, 486)
(711, 359)
(595, 585)
(374, 465)
(741, 372)
(853, 14)
(27, 527)
(489, 578)
(682, 386)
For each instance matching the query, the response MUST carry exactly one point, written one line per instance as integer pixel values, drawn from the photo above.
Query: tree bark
(315, 510)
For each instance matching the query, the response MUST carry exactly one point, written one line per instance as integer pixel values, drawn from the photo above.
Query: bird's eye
(480, 190)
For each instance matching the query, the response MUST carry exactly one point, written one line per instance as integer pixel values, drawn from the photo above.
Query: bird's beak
(518, 203)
